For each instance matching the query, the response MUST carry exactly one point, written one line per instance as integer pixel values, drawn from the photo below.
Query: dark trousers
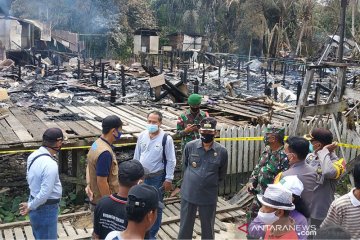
(187, 220)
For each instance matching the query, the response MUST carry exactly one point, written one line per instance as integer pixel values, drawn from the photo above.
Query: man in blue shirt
(45, 186)
(102, 169)
(152, 155)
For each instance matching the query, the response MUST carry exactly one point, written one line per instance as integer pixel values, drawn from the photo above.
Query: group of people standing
(294, 181)
(126, 197)
(294, 185)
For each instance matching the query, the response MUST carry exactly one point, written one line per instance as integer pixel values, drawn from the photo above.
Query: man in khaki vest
(102, 168)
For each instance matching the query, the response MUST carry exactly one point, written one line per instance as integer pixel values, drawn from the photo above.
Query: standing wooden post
(123, 89)
(294, 130)
(298, 90)
(102, 75)
(220, 74)
(248, 78)
(284, 74)
(19, 72)
(78, 166)
(113, 95)
(275, 94)
(203, 75)
(63, 161)
(185, 74)
(196, 86)
(274, 67)
(238, 69)
(317, 94)
(172, 61)
(161, 63)
(94, 66)
(78, 68)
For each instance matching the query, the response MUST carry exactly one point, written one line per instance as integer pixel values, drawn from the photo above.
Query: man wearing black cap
(110, 212)
(102, 169)
(141, 211)
(328, 169)
(205, 163)
(45, 186)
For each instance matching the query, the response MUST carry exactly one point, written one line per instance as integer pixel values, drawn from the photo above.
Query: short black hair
(332, 232)
(299, 146)
(156, 113)
(111, 122)
(356, 173)
(136, 214)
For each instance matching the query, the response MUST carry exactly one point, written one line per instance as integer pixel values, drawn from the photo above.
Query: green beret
(272, 129)
(194, 99)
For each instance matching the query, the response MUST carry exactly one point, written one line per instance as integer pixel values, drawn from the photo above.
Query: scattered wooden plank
(322, 109)
(7, 133)
(61, 231)
(28, 232)
(169, 231)
(49, 123)
(19, 129)
(33, 124)
(8, 234)
(86, 114)
(19, 233)
(162, 235)
(69, 228)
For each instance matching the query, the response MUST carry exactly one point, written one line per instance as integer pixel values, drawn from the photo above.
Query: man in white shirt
(345, 210)
(156, 152)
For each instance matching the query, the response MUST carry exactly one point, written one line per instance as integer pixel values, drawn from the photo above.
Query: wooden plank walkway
(24, 126)
(169, 228)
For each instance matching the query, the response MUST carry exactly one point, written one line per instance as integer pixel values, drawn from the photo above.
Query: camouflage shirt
(185, 119)
(270, 164)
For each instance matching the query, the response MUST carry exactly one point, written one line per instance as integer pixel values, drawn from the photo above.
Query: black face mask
(194, 110)
(207, 138)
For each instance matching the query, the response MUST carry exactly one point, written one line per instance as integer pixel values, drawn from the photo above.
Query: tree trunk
(354, 7)
(298, 47)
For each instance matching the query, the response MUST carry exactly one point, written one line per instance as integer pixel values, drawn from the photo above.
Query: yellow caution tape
(345, 145)
(241, 139)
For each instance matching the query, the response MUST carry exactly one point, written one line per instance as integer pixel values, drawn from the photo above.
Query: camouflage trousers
(252, 213)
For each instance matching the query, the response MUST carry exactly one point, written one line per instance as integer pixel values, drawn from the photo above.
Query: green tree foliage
(268, 26)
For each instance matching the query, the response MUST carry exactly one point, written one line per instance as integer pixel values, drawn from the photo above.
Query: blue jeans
(44, 221)
(156, 182)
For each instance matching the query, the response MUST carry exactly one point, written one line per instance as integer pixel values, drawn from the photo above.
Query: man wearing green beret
(273, 160)
(189, 121)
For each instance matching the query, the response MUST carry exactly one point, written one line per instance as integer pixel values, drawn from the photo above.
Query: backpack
(163, 153)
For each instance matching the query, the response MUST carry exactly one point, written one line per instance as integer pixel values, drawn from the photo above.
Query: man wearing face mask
(188, 123)
(296, 149)
(276, 206)
(205, 163)
(156, 151)
(328, 169)
(102, 168)
(45, 186)
(272, 161)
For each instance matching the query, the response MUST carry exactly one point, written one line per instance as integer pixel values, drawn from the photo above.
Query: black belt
(155, 174)
(49, 201)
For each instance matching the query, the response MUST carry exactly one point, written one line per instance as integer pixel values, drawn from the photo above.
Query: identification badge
(193, 164)
(215, 154)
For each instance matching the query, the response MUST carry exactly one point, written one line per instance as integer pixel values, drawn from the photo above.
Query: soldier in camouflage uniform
(188, 126)
(272, 161)
(189, 121)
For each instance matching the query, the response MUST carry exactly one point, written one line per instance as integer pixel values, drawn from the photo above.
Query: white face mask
(267, 218)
